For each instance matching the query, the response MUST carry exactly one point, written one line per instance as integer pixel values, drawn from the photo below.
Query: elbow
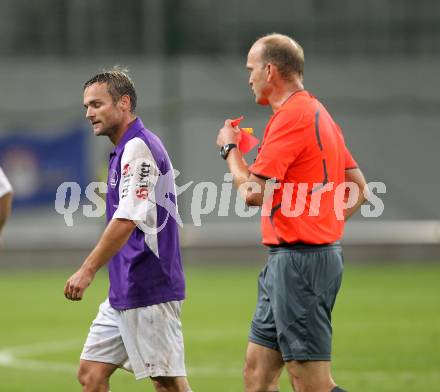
(254, 199)
(365, 194)
(363, 199)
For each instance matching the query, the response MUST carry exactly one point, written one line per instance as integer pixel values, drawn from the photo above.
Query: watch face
(224, 151)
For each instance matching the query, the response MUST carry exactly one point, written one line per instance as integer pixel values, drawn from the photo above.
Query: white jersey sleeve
(137, 201)
(5, 185)
(139, 175)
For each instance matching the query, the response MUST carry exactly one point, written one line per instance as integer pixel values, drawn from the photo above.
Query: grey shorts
(296, 292)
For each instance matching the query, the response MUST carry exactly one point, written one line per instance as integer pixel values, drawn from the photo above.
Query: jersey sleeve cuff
(262, 176)
(5, 191)
(124, 214)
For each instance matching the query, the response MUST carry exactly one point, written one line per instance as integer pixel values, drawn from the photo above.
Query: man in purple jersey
(138, 327)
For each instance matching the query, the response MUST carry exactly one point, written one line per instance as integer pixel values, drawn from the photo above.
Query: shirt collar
(292, 97)
(132, 130)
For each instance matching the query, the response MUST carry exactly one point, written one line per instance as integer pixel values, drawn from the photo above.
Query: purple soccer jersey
(148, 269)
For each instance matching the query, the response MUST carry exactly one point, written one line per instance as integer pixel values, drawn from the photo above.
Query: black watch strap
(224, 151)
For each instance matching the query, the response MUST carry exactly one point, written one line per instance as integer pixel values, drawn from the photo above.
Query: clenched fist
(77, 284)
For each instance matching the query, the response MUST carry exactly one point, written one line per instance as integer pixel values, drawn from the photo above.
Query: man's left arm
(250, 187)
(355, 176)
(112, 240)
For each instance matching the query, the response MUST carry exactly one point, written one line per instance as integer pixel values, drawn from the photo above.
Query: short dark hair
(285, 53)
(118, 84)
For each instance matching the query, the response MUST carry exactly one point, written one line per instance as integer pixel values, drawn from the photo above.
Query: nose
(89, 113)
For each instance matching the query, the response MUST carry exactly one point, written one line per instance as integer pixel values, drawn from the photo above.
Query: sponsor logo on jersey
(142, 186)
(114, 177)
(127, 174)
(142, 193)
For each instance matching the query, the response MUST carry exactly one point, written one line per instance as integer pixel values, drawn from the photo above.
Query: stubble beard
(109, 130)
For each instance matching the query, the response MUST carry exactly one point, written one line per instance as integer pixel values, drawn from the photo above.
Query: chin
(99, 132)
(261, 101)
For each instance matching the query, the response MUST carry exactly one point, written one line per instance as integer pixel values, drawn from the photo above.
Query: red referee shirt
(304, 150)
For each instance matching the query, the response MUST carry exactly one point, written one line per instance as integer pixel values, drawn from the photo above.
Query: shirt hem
(143, 303)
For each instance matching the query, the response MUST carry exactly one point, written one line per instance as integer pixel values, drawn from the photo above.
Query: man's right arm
(5, 199)
(112, 240)
(5, 209)
(356, 176)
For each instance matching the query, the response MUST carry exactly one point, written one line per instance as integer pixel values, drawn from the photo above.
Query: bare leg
(310, 376)
(94, 376)
(171, 384)
(262, 369)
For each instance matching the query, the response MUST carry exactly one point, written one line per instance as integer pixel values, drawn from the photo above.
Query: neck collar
(291, 95)
(135, 126)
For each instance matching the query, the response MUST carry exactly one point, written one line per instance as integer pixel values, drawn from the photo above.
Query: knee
(82, 375)
(249, 373)
(91, 379)
(257, 380)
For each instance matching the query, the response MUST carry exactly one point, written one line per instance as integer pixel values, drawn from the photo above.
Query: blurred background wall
(374, 64)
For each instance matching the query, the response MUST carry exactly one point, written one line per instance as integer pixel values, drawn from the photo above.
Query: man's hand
(112, 240)
(228, 134)
(77, 284)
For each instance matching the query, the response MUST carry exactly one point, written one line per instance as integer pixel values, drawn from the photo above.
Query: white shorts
(146, 341)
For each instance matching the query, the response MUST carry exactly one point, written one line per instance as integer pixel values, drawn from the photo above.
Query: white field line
(39, 366)
(13, 358)
(42, 348)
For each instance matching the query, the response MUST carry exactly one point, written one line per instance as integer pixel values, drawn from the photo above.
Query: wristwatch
(224, 151)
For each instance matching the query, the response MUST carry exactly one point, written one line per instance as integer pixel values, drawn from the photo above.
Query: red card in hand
(248, 141)
(237, 121)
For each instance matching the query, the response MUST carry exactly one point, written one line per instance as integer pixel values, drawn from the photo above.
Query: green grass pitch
(386, 329)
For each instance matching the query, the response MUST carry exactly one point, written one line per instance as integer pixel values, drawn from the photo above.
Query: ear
(125, 102)
(270, 71)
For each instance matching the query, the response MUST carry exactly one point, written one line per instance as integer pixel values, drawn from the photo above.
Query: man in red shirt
(304, 154)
